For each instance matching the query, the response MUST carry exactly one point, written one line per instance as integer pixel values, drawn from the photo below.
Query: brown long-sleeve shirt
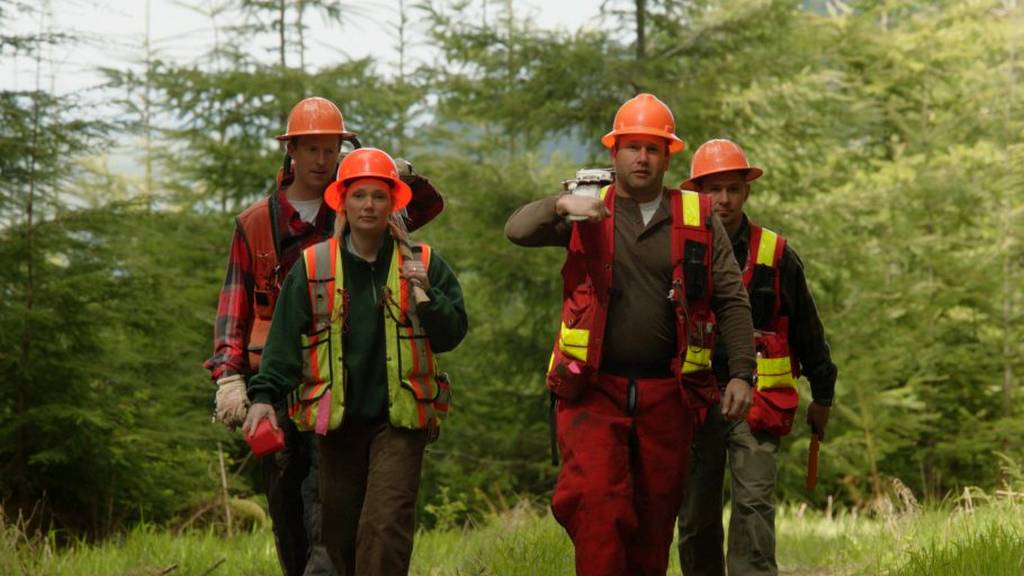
(641, 323)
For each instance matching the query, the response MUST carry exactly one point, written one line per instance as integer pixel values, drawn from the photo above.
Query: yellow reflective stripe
(691, 208)
(322, 352)
(573, 342)
(575, 336)
(766, 248)
(391, 349)
(551, 362)
(411, 366)
(774, 373)
(604, 192)
(697, 359)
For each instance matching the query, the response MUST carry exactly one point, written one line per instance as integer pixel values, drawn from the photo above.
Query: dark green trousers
(752, 461)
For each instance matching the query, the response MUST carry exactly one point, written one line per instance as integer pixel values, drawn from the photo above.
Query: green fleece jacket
(443, 318)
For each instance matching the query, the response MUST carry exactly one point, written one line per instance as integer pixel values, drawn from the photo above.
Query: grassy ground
(983, 541)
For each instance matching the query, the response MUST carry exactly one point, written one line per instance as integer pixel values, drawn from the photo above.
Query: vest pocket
(773, 411)
(568, 372)
(419, 389)
(776, 398)
(316, 360)
(304, 405)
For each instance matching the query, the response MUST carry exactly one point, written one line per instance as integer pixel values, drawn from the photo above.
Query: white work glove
(232, 402)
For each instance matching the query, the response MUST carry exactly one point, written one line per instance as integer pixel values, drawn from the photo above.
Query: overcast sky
(114, 31)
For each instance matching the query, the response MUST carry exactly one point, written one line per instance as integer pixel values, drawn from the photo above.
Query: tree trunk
(21, 402)
(403, 23)
(510, 73)
(641, 22)
(282, 9)
(146, 117)
(300, 7)
(867, 424)
(1008, 229)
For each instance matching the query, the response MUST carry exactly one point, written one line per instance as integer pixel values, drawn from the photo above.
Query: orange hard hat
(315, 116)
(716, 156)
(645, 114)
(367, 163)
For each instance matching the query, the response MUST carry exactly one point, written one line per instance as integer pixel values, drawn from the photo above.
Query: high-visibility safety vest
(259, 230)
(418, 396)
(776, 397)
(587, 276)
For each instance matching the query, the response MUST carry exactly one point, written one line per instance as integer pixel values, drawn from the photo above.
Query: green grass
(987, 540)
(147, 551)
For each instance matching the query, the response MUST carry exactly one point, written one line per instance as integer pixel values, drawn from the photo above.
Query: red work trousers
(625, 446)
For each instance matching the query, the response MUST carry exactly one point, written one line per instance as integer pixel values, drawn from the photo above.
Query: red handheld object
(812, 463)
(265, 439)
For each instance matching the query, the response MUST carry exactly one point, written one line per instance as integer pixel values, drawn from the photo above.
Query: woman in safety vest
(357, 324)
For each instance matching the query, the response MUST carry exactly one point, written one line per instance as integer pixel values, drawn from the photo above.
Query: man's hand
(416, 273)
(737, 399)
(593, 209)
(231, 400)
(258, 412)
(817, 418)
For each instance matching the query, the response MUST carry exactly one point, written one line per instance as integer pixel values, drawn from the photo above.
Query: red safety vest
(587, 276)
(257, 226)
(776, 398)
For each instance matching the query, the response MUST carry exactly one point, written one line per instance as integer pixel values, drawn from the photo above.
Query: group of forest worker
(682, 324)
(653, 276)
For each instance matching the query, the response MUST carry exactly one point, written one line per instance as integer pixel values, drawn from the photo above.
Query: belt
(637, 369)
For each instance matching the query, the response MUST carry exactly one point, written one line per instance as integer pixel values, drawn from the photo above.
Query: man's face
(315, 159)
(729, 192)
(640, 161)
(367, 205)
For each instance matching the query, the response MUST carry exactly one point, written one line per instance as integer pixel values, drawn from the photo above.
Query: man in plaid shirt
(269, 237)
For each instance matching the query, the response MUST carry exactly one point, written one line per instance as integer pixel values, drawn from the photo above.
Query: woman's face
(367, 206)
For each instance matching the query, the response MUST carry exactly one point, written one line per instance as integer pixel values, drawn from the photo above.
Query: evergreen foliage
(891, 132)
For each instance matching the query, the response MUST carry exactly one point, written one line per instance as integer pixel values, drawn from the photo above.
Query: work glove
(232, 402)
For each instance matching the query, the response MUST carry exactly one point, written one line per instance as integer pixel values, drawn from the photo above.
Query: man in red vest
(269, 238)
(789, 339)
(648, 273)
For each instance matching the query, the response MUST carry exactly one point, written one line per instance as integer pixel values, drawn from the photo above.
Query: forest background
(892, 134)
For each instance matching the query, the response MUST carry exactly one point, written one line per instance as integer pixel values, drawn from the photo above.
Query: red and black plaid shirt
(235, 308)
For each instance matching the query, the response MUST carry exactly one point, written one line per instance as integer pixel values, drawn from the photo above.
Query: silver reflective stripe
(321, 295)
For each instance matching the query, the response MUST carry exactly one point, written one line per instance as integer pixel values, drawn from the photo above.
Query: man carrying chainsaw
(269, 237)
(648, 272)
(790, 340)
(358, 322)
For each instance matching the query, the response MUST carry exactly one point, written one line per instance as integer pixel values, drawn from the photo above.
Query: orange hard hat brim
(343, 134)
(674, 143)
(401, 194)
(753, 173)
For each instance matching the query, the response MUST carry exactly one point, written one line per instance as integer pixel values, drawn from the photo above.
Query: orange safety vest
(587, 276)
(259, 231)
(776, 398)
